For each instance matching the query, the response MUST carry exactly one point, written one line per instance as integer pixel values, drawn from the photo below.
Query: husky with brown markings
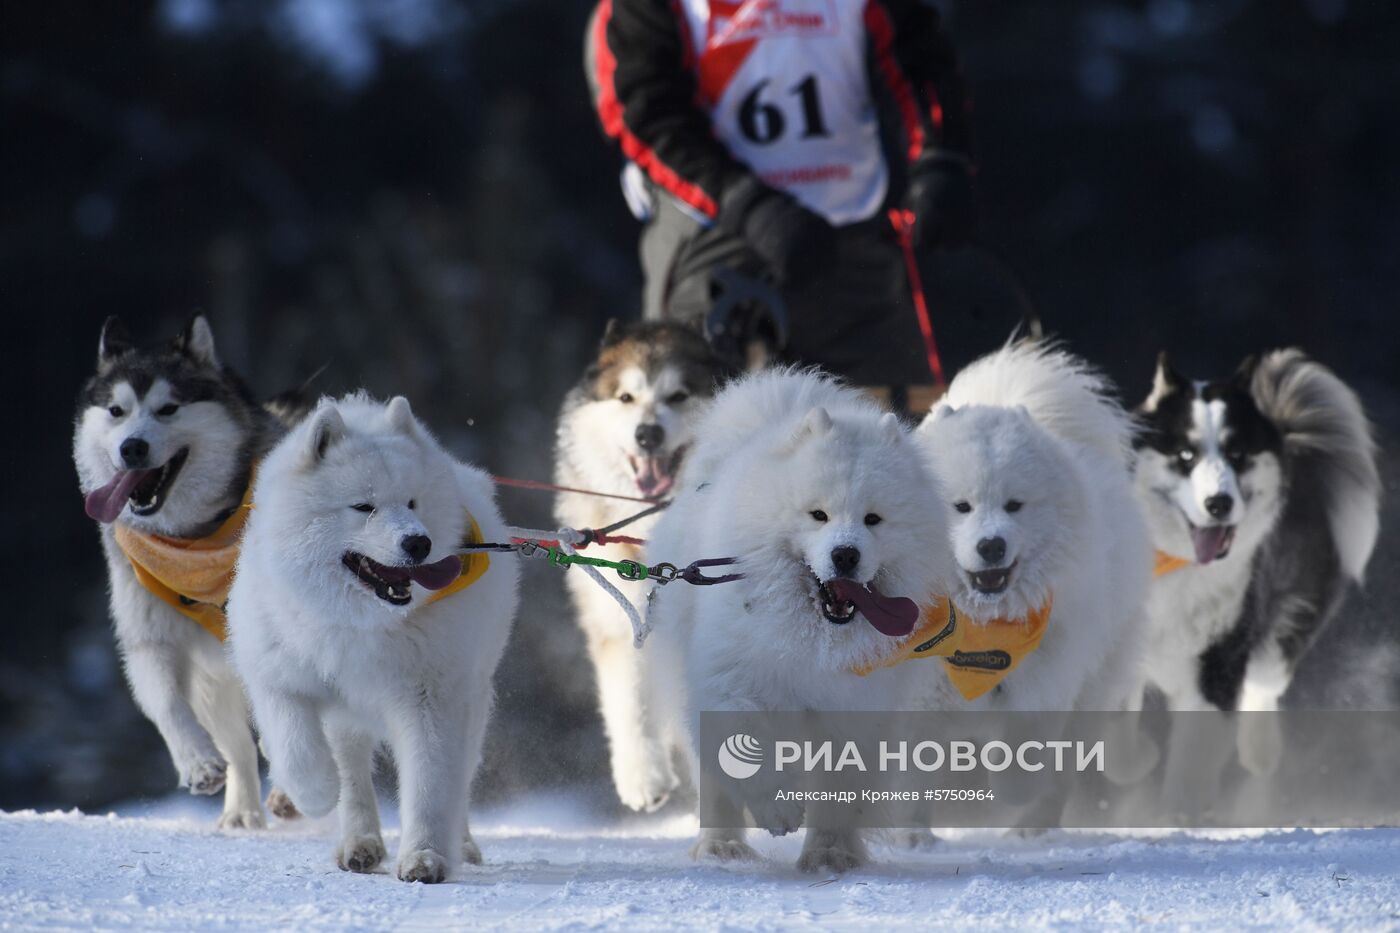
(624, 430)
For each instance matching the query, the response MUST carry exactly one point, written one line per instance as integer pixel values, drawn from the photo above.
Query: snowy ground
(163, 867)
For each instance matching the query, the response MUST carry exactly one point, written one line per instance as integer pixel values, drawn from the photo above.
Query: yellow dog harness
(193, 575)
(976, 656)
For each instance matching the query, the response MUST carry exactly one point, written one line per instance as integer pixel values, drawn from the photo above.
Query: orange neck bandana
(191, 575)
(976, 656)
(1165, 563)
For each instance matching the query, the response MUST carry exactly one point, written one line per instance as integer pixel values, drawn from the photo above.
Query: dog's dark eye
(165, 411)
(413, 503)
(1186, 455)
(362, 507)
(872, 519)
(116, 411)
(677, 398)
(819, 515)
(1014, 505)
(1235, 455)
(625, 398)
(963, 507)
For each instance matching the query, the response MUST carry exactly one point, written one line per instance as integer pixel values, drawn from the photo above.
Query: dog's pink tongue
(1210, 542)
(894, 616)
(438, 574)
(654, 478)
(106, 504)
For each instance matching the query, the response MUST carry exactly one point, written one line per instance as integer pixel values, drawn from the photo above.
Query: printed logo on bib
(736, 26)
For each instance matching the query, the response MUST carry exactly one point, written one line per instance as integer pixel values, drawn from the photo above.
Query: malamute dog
(353, 619)
(166, 440)
(625, 429)
(1033, 456)
(1263, 498)
(837, 526)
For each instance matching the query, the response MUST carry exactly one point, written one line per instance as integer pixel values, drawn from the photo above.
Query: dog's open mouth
(655, 476)
(840, 599)
(1211, 542)
(991, 582)
(145, 490)
(391, 583)
(835, 608)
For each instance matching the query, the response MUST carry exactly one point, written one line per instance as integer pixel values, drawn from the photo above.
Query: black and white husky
(1263, 497)
(624, 430)
(165, 442)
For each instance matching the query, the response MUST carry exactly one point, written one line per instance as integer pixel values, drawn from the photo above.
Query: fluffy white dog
(827, 505)
(357, 516)
(1033, 456)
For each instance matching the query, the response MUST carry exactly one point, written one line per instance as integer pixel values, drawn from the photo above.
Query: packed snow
(554, 864)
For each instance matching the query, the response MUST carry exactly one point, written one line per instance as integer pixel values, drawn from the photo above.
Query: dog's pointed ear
(1244, 374)
(816, 424)
(197, 342)
(327, 428)
(113, 342)
(889, 423)
(612, 332)
(1165, 380)
(401, 416)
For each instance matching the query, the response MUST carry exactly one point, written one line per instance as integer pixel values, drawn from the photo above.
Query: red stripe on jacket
(881, 29)
(611, 113)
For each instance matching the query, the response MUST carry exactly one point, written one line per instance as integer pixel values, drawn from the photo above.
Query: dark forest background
(414, 195)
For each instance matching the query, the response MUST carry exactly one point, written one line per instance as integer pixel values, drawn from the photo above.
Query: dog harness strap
(474, 564)
(1165, 563)
(976, 656)
(191, 575)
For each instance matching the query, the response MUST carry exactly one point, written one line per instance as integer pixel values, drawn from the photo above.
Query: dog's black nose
(134, 452)
(992, 550)
(845, 559)
(1219, 505)
(416, 546)
(650, 436)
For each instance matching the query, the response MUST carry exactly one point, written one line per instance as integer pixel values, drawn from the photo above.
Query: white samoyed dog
(1033, 456)
(825, 501)
(357, 516)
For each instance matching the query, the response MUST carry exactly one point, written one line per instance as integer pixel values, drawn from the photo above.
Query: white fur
(595, 440)
(1035, 425)
(770, 449)
(177, 671)
(332, 669)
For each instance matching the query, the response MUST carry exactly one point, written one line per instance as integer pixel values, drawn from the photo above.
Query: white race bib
(788, 91)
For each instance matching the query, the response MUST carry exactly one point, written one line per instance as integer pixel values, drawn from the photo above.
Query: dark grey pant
(855, 319)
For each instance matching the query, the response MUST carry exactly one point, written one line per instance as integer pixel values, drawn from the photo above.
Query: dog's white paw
(829, 858)
(779, 817)
(280, 805)
(723, 850)
(242, 819)
(360, 854)
(424, 865)
(314, 794)
(646, 790)
(471, 852)
(205, 775)
(1260, 743)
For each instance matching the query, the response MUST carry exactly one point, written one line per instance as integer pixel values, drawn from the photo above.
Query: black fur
(1297, 584)
(191, 379)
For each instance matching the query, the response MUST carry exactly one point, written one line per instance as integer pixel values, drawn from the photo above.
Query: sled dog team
(317, 562)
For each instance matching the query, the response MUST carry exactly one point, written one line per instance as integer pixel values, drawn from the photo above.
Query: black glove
(789, 238)
(940, 195)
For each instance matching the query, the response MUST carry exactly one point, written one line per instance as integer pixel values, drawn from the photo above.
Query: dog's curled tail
(1063, 393)
(1321, 418)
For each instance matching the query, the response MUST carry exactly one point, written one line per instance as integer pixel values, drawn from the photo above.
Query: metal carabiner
(664, 573)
